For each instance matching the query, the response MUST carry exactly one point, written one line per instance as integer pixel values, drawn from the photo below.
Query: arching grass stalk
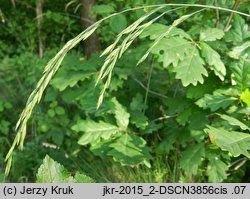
(133, 31)
(54, 64)
(117, 52)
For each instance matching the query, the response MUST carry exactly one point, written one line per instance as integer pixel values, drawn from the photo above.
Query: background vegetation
(182, 115)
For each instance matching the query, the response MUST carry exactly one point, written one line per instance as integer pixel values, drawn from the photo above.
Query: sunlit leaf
(69, 78)
(241, 74)
(239, 50)
(245, 97)
(121, 115)
(191, 69)
(94, 131)
(239, 31)
(236, 143)
(213, 59)
(172, 50)
(53, 172)
(82, 178)
(233, 121)
(216, 170)
(211, 34)
(215, 101)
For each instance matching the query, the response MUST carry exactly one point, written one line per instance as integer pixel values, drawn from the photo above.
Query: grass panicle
(133, 31)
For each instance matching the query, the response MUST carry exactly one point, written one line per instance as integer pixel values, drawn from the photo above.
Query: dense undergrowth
(182, 115)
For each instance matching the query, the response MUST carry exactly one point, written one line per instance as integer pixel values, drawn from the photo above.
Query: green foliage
(111, 140)
(191, 69)
(94, 131)
(53, 172)
(211, 34)
(216, 101)
(216, 170)
(181, 116)
(214, 61)
(121, 115)
(118, 23)
(239, 31)
(192, 158)
(233, 121)
(131, 150)
(234, 142)
(241, 74)
(138, 117)
(103, 9)
(245, 97)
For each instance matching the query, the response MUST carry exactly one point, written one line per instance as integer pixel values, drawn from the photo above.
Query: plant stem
(217, 14)
(235, 6)
(39, 16)
(150, 91)
(148, 85)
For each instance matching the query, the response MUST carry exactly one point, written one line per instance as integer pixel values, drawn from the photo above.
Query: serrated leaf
(245, 97)
(216, 170)
(137, 103)
(183, 117)
(213, 59)
(241, 74)
(191, 69)
(239, 50)
(211, 34)
(69, 79)
(156, 29)
(192, 158)
(130, 150)
(121, 115)
(234, 142)
(82, 178)
(115, 84)
(165, 34)
(233, 121)
(215, 101)
(172, 50)
(139, 119)
(94, 131)
(239, 31)
(52, 172)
